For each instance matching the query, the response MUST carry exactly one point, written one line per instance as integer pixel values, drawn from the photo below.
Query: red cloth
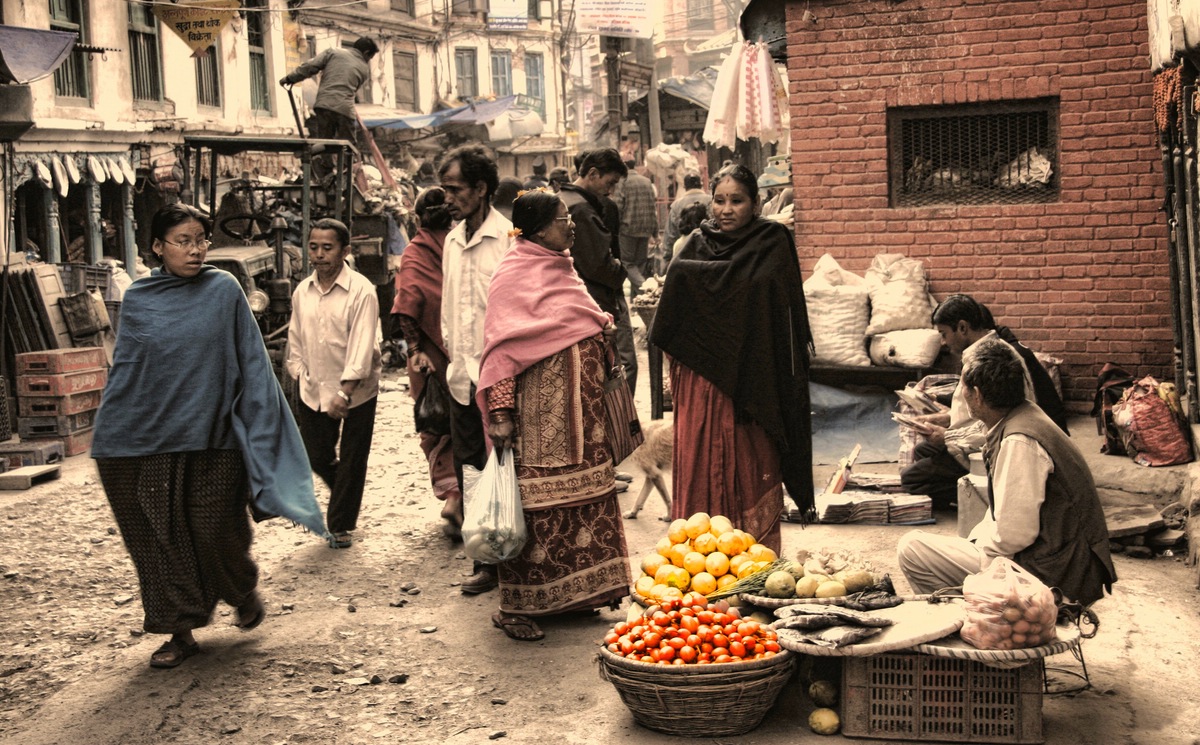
(419, 284)
(723, 466)
(537, 306)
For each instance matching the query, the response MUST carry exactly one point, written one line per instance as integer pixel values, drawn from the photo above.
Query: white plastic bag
(899, 294)
(906, 348)
(493, 522)
(1008, 608)
(837, 314)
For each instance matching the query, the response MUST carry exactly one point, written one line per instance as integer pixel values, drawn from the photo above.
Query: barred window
(143, 53)
(1003, 153)
(208, 77)
(256, 37)
(71, 79)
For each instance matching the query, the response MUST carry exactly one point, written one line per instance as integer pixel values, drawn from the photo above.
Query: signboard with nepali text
(629, 18)
(508, 15)
(197, 22)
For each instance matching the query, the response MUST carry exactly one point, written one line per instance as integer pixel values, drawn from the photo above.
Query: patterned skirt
(184, 519)
(575, 557)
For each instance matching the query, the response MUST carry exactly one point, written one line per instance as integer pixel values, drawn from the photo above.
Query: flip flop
(251, 613)
(172, 653)
(513, 626)
(340, 539)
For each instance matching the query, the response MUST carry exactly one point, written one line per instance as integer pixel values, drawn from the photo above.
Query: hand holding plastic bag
(493, 522)
(1008, 608)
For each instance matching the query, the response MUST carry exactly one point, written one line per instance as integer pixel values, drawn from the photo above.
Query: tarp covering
(479, 112)
(29, 54)
(696, 88)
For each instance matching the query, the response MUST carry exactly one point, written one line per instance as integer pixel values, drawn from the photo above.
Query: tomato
(689, 624)
(748, 628)
(759, 649)
(734, 637)
(771, 646)
(705, 616)
(677, 643)
(611, 637)
(721, 606)
(734, 613)
(768, 653)
(677, 661)
(694, 640)
(653, 639)
(687, 654)
(626, 645)
(687, 612)
(666, 654)
(614, 648)
(621, 628)
(673, 616)
(720, 619)
(737, 649)
(669, 605)
(722, 659)
(639, 645)
(720, 641)
(647, 658)
(660, 619)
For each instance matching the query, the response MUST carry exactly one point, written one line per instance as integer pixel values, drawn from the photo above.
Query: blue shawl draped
(190, 372)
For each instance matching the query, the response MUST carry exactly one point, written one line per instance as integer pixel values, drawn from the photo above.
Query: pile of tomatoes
(692, 631)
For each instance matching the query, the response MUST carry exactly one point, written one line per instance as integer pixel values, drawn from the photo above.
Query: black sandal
(519, 628)
(172, 653)
(251, 613)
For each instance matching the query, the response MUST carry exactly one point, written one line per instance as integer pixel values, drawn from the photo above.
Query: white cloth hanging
(749, 98)
(721, 127)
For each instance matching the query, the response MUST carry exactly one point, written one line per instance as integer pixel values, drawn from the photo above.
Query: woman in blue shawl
(192, 427)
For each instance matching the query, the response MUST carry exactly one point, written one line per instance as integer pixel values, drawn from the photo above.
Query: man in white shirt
(472, 250)
(1045, 513)
(333, 351)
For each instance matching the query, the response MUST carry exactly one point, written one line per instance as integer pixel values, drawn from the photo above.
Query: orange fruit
(747, 568)
(697, 524)
(729, 543)
(678, 552)
(725, 580)
(663, 572)
(759, 552)
(705, 543)
(704, 583)
(739, 561)
(651, 563)
(719, 524)
(694, 563)
(679, 578)
(671, 593)
(663, 547)
(656, 592)
(716, 564)
(678, 531)
(643, 586)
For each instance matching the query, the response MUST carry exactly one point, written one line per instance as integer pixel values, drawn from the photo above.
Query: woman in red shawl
(541, 383)
(418, 310)
(733, 320)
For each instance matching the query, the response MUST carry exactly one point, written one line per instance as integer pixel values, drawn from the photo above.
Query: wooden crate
(58, 405)
(20, 454)
(63, 384)
(74, 444)
(32, 427)
(56, 361)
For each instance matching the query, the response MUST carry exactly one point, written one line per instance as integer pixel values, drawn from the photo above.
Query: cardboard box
(59, 405)
(55, 361)
(20, 454)
(63, 384)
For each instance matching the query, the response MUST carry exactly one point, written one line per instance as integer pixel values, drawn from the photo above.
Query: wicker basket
(715, 700)
(646, 313)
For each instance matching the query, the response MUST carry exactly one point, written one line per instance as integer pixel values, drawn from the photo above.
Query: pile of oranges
(700, 554)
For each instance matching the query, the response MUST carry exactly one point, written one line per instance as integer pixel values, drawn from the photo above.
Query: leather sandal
(172, 653)
(251, 613)
(519, 628)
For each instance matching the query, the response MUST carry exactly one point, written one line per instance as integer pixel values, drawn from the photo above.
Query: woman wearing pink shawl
(541, 383)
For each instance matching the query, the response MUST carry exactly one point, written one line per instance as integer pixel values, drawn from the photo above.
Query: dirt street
(347, 655)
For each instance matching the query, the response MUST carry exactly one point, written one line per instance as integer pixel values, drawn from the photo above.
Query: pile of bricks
(58, 393)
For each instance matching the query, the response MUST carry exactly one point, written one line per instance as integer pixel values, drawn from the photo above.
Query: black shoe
(483, 580)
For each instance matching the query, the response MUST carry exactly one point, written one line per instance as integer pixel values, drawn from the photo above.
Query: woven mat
(916, 622)
(954, 646)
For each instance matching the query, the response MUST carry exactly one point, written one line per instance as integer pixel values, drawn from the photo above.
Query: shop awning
(29, 54)
(476, 112)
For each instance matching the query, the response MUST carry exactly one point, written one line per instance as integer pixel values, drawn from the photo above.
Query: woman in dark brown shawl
(418, 310)
(733, 321)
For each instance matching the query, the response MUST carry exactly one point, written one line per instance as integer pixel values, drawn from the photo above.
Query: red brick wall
(1084, 278)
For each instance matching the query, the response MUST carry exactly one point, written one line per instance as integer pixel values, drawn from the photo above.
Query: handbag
(621, 420)
(431, 412)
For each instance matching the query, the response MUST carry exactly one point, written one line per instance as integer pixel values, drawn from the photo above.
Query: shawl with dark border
(732, 310)
(419, 284)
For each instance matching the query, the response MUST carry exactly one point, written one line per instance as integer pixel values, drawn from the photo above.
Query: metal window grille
(466, 73)
(978, 154)
(256, 38)
(535, 81)
(71, 79)
(502, 73)
(208, 77)
(143, 54)
(404, 70)
(700, 15)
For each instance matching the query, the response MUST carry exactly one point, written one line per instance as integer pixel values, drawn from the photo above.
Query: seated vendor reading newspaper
(1045, 514)
(951, 437)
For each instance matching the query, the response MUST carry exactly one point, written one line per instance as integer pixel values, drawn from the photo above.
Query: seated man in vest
(951, 437)
(1045, 514)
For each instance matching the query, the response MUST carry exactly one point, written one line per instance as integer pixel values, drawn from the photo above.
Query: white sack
(899, 295)
(906, 348)
(837, 314)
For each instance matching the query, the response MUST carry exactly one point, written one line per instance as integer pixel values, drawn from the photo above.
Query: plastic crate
(55, 426)
(58, 405)
(20, 454)
(84, 278)
(64, 384)
(56, 361)
(917, 697)
(75, 444)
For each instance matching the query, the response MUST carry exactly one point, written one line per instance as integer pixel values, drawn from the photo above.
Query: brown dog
(653, 459)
